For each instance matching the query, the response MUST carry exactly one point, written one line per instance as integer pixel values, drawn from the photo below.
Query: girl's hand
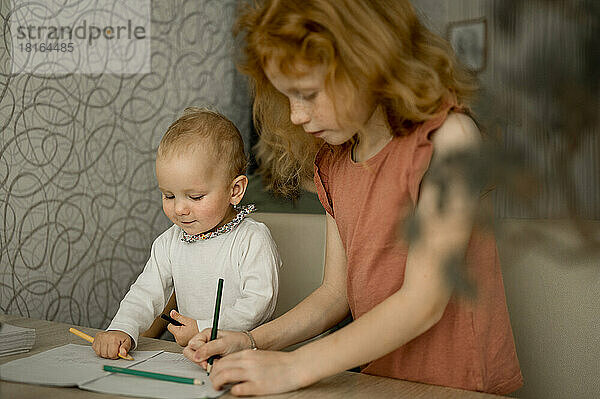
(109, 344)
(260, 372)
(200, 347)
(183, 333)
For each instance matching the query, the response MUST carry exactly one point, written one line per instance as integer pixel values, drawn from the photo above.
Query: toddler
(200, 168)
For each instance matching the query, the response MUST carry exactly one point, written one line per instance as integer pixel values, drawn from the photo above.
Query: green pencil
(215, 326)
(156, 376)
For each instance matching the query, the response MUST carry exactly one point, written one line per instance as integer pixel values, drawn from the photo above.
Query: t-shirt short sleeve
(423, 151)
(420, 163)
(323, 162)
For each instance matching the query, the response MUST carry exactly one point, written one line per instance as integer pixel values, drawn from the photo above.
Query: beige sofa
(553, 294)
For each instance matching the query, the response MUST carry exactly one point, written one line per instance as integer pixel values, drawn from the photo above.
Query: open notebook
(78, 365)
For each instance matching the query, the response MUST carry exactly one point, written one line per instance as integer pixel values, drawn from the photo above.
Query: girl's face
(313, 109)
(196, 194)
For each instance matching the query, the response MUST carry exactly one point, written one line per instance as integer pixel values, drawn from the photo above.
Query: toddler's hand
(199, 348)
(185, 332)
(109, 344)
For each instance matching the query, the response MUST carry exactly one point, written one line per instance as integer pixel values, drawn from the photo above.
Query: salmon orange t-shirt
(472, 345)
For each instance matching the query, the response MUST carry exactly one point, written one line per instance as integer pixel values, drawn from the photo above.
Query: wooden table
(344, 385)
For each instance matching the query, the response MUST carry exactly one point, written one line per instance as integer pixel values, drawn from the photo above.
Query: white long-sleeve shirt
(246, 258)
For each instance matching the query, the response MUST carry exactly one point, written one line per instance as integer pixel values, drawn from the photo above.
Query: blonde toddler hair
(201, 127)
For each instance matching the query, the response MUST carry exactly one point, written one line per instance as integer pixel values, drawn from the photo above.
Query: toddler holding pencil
(200, 168)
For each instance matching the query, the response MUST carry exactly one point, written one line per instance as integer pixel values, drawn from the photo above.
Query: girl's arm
(420, 303)
(321, 310)
(408, 313)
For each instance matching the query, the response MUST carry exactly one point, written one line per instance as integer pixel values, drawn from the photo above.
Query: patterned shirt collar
(242, 212)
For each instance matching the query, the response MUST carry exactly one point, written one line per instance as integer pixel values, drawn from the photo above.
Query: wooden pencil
(156, 376)
(215, 326)
(90, 339)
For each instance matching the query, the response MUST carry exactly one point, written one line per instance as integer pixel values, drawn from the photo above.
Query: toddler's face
(312, 108)
(196, 192)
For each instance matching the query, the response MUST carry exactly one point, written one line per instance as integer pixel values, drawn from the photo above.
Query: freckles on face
(310, 105)
(312, 108)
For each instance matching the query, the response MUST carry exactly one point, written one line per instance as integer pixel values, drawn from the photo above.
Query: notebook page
(67, 365)
(165, 363)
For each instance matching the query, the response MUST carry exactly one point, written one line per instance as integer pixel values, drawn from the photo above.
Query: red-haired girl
(361, 94)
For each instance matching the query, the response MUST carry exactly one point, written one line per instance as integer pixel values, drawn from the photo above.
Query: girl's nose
(181, 207)
(299, 112)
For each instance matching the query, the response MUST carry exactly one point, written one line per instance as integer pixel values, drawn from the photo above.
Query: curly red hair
(378, 44)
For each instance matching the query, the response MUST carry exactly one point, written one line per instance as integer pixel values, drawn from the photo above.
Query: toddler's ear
(238, 189)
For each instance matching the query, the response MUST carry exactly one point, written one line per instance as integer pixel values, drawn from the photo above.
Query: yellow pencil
(91, 340)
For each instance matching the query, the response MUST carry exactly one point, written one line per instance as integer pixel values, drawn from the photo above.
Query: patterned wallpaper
(79, 207)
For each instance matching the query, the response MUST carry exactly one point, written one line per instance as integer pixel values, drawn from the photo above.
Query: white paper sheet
(166, 363)
(67, 365)
(78, 365)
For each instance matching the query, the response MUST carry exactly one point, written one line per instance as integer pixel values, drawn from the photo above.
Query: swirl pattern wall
(79, 206)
